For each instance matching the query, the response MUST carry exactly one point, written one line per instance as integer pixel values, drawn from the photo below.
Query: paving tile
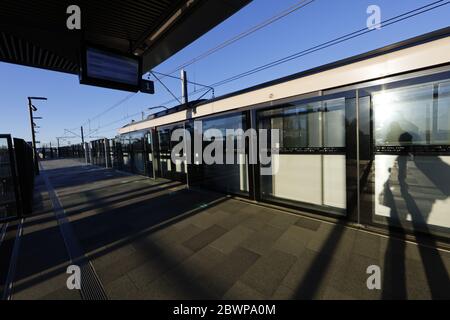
(308, 275)
(116, 270)
(367, 244)
(232, 239)
(241, 291)
(232, 205)
(199, 218)
(294, 240)
(204, 238)
(419, 285)
(267, 273)
(393, 270)
(201, 263)
(233, 219)
(283, 293)
(121, 288)
(334, 240)
(231, 249)
(113, 256)
(168, 258)
(283, 220)
(351, 278)
(308, 223)
(63, 294)
(231, 268)
(331, 293)
(165, 230)
(254, 222)
(220, 213)
(176, 235)
(425, 279)
(174, 286)
(208, 219)
(263, 240)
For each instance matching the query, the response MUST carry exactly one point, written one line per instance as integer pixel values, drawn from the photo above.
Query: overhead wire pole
(168, 90)
(335, 41)
(184, 93)
(188, 81)
(76, 134)
(83, 145)
(32, 108)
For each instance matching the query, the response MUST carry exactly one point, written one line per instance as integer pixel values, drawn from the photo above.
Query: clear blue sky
(71, 104)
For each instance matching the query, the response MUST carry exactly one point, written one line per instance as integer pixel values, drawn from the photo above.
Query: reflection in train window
(416, 115)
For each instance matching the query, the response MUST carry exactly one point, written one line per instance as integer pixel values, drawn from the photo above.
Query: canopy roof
(34, 33)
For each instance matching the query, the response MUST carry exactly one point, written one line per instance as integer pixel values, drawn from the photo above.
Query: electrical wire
(335, 41)
(244, 34)
(115, 105)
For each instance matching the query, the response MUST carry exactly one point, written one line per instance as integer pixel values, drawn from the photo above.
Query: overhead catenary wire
(335, 41)
(179, 78)
(244, 34)
(224, 44)
(388, 22)
(115, 105)
(327, 44)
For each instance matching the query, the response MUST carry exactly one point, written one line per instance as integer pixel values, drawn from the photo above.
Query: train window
(334, 123)
(309, 170)
(416, 115)
(313, 125)
(442, 133)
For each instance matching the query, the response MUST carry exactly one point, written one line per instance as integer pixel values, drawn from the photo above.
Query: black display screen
(111, 67)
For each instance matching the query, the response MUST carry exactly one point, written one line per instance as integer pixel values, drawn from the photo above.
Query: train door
(406, 171)
(310, 166)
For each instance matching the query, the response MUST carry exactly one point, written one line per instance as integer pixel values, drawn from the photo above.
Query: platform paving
(155, 239)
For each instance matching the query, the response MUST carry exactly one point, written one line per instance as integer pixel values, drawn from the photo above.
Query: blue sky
(71, 104)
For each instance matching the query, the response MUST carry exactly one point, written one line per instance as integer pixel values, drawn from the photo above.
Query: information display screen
(101, 67)
(108, 66)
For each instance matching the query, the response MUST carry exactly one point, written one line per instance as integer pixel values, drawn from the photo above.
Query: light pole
(31, 109)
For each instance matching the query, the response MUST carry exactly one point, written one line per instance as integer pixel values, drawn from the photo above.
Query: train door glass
(148, 147)
(138, 155)
(309, 169)
(168, 168)
(230, 176)
(408, 183)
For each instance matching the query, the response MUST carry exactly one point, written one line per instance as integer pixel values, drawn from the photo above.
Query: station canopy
(34, 33)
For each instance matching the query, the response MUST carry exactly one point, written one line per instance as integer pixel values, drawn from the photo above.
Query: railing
(16, 178)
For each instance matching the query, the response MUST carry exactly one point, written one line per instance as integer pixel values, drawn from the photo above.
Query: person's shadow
(425, 182)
